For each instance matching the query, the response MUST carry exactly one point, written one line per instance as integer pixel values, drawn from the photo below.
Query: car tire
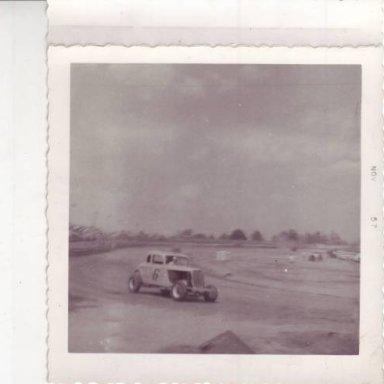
(212, 294)
(179, 291)
(134, 283)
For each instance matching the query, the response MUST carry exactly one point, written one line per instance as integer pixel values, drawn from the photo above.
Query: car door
(146, 270)
(158, 271)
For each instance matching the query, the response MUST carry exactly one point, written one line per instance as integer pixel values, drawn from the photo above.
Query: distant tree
(315, 238)
(74, 237)
(321, 238)
(154, 236)
(308, 239)
(257, 236)
(238, 234)
(334, 238)
(292, 235)
(223, 236)
(199, 236)
(142, 235)
(186, 233)
(123, 235)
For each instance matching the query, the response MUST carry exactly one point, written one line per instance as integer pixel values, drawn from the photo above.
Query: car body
(173, 274)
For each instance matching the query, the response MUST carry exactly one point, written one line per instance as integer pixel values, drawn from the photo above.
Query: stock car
(173, 275)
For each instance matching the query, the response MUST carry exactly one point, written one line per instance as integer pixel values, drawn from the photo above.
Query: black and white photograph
(192, 192)
(214, 208)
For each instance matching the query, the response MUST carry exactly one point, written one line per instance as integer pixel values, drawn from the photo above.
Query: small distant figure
(315, 257)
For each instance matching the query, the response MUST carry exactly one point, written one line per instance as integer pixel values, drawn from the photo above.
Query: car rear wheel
(134, 282)
(179, 291)
(211, 294)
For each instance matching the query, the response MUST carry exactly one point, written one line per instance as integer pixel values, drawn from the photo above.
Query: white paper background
(22, 192)
(213, 22)
(22, 125)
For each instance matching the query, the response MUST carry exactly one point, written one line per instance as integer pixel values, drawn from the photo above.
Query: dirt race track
(275, 300)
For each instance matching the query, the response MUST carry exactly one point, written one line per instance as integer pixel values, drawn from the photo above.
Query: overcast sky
(162, 148)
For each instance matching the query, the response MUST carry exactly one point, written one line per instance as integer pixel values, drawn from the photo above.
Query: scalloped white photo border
(68, 368)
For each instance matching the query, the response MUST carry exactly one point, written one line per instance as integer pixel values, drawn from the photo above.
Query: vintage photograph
(214, 208)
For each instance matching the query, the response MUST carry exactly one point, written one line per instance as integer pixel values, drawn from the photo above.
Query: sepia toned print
(252, 172)
(215, 208)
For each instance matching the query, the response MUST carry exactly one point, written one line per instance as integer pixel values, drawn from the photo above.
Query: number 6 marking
(156, 274)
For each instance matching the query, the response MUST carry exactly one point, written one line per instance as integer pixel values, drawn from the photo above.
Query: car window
(148, 258)
(157, 259)
(169, 259)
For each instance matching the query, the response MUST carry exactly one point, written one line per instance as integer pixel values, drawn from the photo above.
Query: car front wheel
(134, 282)
(179, 291)
(211, 294)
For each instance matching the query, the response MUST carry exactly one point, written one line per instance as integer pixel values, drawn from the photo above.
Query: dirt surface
(275, 300)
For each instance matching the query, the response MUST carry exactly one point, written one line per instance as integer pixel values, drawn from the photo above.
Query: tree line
(291, 236)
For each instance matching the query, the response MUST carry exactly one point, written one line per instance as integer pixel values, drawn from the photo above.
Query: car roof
(164, 253)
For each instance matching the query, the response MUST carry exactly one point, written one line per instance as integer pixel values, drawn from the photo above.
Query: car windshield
(178, 260)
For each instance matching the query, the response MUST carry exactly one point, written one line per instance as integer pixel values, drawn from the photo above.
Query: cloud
(166, 147)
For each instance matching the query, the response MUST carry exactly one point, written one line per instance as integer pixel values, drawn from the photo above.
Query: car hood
(184, 268)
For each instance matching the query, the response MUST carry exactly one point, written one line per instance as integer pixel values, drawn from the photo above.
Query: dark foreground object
(224, 343)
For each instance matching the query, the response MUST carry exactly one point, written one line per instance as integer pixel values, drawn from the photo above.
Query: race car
(173, 275)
